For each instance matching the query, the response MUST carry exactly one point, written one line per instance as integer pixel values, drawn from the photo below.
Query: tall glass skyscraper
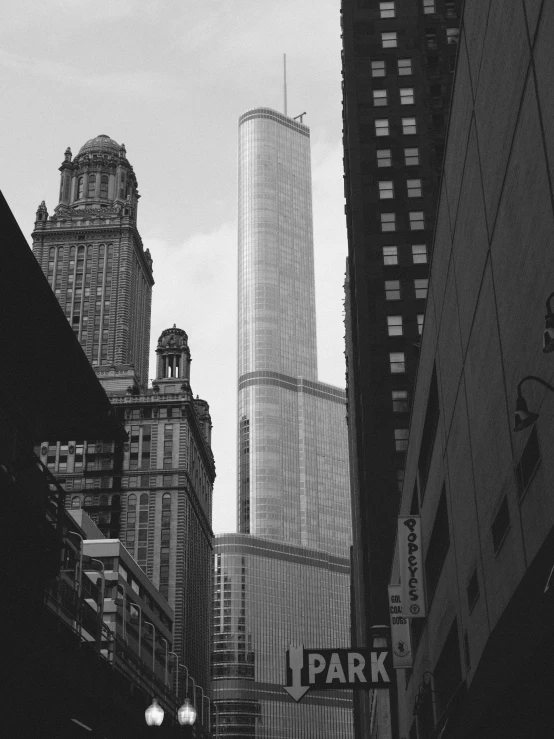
(285, 578)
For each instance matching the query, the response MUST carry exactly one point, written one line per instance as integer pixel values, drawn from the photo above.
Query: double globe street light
(154, 714)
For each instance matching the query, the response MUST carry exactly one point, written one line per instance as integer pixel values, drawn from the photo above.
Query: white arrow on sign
(296, 663)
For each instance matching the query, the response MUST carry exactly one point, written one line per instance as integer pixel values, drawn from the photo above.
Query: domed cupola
(99, 177)
(173, 363)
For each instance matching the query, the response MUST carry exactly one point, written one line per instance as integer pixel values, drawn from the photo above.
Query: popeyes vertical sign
(410, 557)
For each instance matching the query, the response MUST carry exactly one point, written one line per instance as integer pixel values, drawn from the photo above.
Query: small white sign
(401, 642)
(410, 557)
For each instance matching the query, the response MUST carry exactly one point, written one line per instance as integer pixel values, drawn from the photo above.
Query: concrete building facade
(480, 483)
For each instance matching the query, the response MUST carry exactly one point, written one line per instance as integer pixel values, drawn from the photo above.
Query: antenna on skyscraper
(285, 81)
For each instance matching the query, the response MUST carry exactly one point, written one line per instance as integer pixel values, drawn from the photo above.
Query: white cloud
(196, 289)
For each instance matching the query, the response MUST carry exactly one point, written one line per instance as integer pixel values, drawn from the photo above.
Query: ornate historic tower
(92, 254)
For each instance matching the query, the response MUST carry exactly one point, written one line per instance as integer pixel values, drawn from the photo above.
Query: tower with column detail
(154, 491)
(92, 254)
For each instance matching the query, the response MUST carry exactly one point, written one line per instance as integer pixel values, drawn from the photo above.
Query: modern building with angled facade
(153, 492)
(284, 578)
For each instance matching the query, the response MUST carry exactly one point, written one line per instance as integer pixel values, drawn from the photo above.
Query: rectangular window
(411, 157)
(379, 98)
(473, 590)
(528, 463)
(397, 362)
(420, 319)
(386, 190)
(388, 222)
(428, 6)
(419, 253)
(431, 38)
(378, 69)
(404, 67)
(382, 127)
(400, 401)
(392, 289)
(388, 40)
(452, 35)
(383, 158)
(394, 325)
(500, 525)
(417, 221)
(414, 188)
(420, 287)
(406, 96)
(409, 126)
(450, 8)
(386, 10)
(401, 439)
(390, 255)
(437, 550)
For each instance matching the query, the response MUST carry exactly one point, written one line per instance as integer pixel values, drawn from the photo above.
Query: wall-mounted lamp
(548, 336)
(523, 416)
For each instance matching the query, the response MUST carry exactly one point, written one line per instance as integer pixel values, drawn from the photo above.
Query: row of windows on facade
(416, 220)
(381, 97)
(389, 39)
(384, 157)
(91, 189)
(395, 325)
(388, 9)
(413, 188)
(404, 68)
(418, 253)
(393, 289)
(409, 126)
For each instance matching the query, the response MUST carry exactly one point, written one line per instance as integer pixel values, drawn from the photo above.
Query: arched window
(103, 500)
(143, 499)
(80, 188)
(116, 502)
(87, 501)
(91, 185)
(76, 502)
(104, 186)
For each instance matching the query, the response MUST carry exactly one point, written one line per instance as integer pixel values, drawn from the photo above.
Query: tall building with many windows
(285, 577)
(154, 492)
(399, 59)
(92, 254)
(292, 451)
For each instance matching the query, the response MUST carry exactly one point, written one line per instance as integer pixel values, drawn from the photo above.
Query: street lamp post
(139, 609)
(79, 582)
(187, 683)
(166, 656)
(149, 623)
(217, 711)
(174, 654)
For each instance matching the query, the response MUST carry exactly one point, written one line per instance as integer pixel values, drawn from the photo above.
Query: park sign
(410, 558)
(336, 669)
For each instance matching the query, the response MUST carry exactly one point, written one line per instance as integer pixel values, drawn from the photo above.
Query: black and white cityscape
(335, 523)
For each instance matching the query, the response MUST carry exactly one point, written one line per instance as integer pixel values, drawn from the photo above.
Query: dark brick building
(398, 65)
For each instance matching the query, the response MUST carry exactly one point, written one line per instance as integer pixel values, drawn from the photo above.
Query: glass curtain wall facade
(285, 578)
(268, 595)
(292, 450)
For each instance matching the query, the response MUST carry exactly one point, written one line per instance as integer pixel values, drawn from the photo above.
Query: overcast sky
(169, 79)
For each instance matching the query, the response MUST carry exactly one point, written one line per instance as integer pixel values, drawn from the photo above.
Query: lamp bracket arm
(537, 379)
